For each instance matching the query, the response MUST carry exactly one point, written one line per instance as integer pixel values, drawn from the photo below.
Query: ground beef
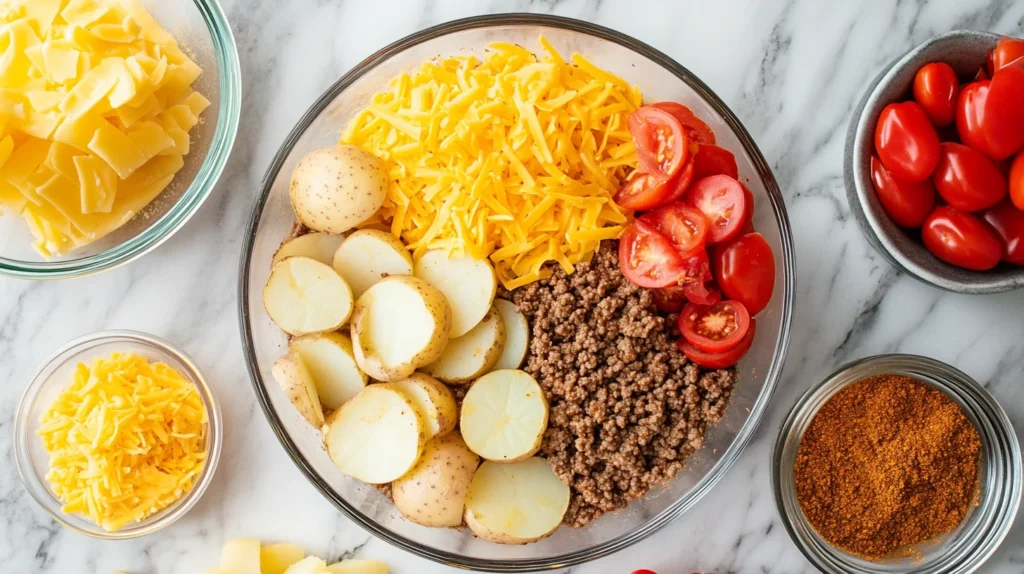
(627, 407)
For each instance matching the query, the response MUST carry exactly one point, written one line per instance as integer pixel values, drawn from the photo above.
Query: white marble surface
(790, 69)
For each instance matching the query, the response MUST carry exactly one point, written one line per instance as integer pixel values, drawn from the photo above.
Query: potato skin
(443, 369)
(433, 493)
(334, 189)
(293, 377)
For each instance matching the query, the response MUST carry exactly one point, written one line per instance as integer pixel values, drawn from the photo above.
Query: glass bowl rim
(229, 108)
(164, 517)
(742, 437)
(991, 414)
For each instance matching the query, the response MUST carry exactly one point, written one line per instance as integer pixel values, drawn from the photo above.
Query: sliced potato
(357, 566)
(316, 245)
(433, 493)
(504, 416)
(517, 335)
(434, 402)
(377, 436)
(469, 284)
(336, 188)
(369, 255)
(332, 363)
(305, 296)
(308, 565)
(276, 558)
(293, 376)
(516, 503)
(472, 354)
(241, 555)
(400, 324)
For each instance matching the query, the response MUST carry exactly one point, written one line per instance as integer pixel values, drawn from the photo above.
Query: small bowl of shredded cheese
(118, 435)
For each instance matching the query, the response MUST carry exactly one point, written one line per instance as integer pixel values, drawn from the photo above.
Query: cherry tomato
(669, 299)
(696, 130)
(721, 199)
(679, 184)
(1017, 181)
(981, 75)
(1008, 52)
(961, 239)
(647, 257)
(722, 360)
(989, 114)
(715, 328)
(936, 88)
(641, 191)
(907, 203)
(644, 572)
(906, 141)
(1008, 222)
(697, 277)
(684, 226)
(966, 179)
(748, 227)
(713, 160)
(744, 269)
(661, 144)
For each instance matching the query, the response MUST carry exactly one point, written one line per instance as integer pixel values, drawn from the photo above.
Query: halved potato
(433, 493)
(377, 436)
(434, 402)
(472, 354)
(304, 296)
(276, 558)
(504, 416)
(469, 284)
(293, 376)
(400, 324)
(369, 255)
(332, 363)
(315, 245)
(517, 335)
(308, 565)
(357, 566)
(516, 503)
(241, 555)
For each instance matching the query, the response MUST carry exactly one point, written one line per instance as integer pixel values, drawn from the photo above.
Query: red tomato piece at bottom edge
(722, 360)
(744, 269)
(906, 203)
(961, 239)
(1008, 223)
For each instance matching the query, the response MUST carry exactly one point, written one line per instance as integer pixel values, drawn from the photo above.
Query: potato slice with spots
(434, 402)
(332, 363)
(516, 503)
(434, 491)
(504, 416)
(369, 255)
(291, 373)
(469, 284)
(517, 336)
(336, 188)
(316, 245)
(472, 354)
(305, 296)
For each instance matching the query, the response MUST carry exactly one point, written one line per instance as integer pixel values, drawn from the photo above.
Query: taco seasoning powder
(886, 463)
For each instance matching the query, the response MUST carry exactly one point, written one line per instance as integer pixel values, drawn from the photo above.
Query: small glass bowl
(54, 375)
(986, 524)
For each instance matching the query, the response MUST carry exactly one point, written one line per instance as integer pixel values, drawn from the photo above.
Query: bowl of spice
(897, 463)
(117, 435)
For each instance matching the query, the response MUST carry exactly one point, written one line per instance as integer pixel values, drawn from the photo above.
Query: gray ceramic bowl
(966, 51)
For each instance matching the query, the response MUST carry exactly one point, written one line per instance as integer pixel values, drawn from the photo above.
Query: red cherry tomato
(661, 144)
(722, 360)
(715, 328)
(936, 88)
(748, 226)
(696, 130)
(966, 179)
(989, 114)
(679, 184)
(641, 191)
(961, 239)
(981, 75)
(907, 203)
(722, 200)
(744, 269)
(684, 226)
(906, 141)
(647, 257)
(713, 160)
(644, 572)
(1008, 52)
(669, 299)
(1008, 222)
(1017, 181)
(698, 275)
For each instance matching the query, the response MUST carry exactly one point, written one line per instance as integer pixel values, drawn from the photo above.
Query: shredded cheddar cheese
(126, 439)
(511, 157)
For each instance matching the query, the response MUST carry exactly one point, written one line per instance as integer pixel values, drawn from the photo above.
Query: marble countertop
(791, 70)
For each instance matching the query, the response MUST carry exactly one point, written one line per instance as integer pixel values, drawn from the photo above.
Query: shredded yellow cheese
(511, 157)
(126, 439)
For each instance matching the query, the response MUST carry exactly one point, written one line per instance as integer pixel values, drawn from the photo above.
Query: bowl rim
(229, 113)
(771, 378)
(164, 517)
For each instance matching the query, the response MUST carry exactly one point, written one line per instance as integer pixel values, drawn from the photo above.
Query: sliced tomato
(641, 191)
(669, 299)
(684, 226)
(695, 128)
(722, 360)
(748, 226)
(647, 258)
(679, 184)
(661, 144)
(744, 269)
(696, 281)
(714, 328)
(714, 160)
(722, 200)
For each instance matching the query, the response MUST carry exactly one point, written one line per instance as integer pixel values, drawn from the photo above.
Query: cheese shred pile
(511, 157)
(126, 439)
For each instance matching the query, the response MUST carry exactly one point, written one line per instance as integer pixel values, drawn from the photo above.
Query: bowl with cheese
(118, 435)
(118, 117)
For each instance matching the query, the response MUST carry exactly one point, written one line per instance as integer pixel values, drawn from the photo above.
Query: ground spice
(887, 462)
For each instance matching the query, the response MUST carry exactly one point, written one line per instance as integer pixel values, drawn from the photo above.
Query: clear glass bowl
(660, 78)
(984, 527)
(54, 375)
(202, 30)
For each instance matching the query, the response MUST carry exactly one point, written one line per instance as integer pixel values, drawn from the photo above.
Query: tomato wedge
(641, 191)
(695, 128)
(698, 275)
(723, 201)
(679, 184)
(714, 160)
(647, 258)
(722, 360)
(684, 226)
(669, 299)
(661, 144)
(714, 328)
